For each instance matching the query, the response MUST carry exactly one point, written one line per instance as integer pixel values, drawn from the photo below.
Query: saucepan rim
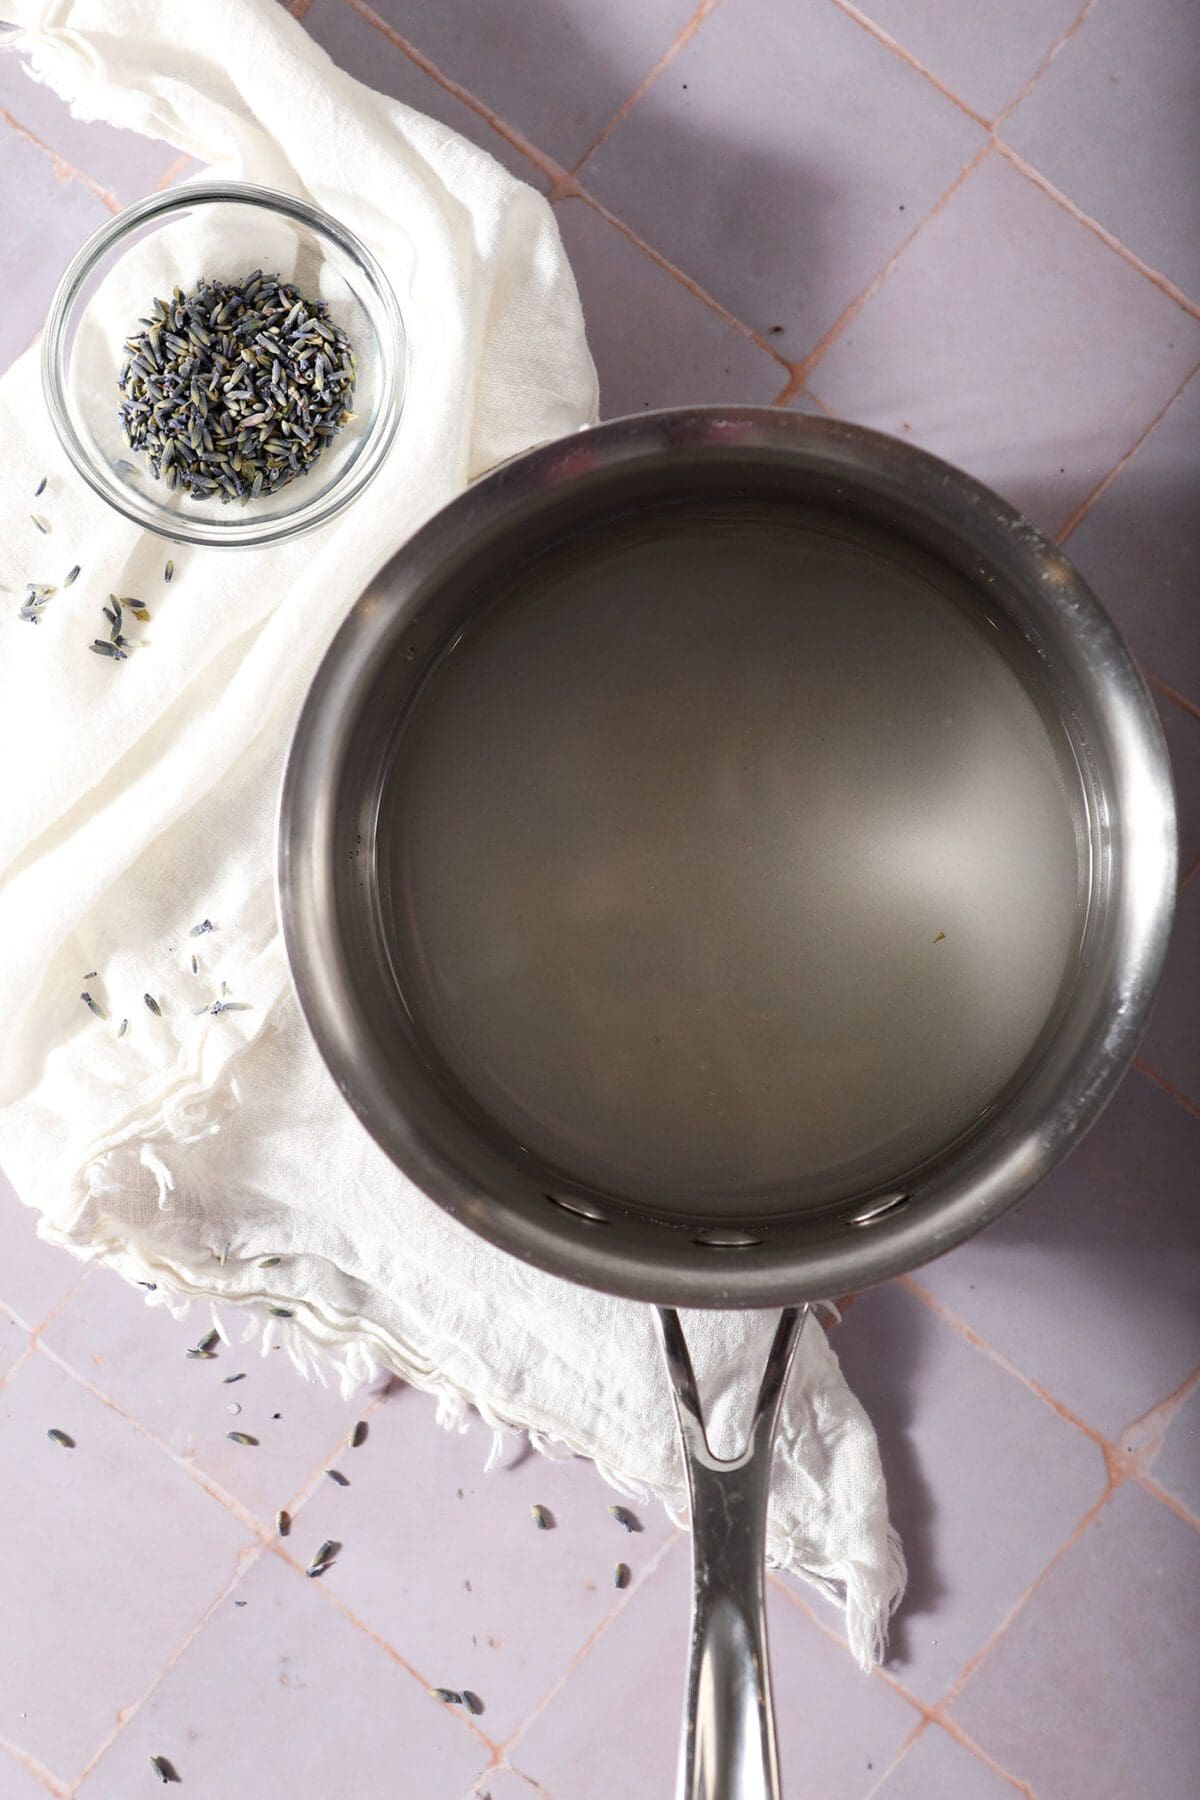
(994, 1170)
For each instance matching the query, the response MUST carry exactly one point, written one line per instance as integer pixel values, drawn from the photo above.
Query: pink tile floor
(974, 225)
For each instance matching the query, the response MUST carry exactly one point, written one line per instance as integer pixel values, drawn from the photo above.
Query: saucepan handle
(728, 1750)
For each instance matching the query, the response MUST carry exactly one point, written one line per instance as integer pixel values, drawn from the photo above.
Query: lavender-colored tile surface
(1172, 1044)
(503, 1783)
(1177, 1465)
(781, 160)
(14, 1341)
(1090, 1286)
(558, 70)
(44, 218)
(34, 1276)
(984, 52)
(635, 1673)
(282, 1698)
(1114, 124)
(1181, 729)
(16, 1782)
(1092, 1694)
(364, 52)
(959, 1438)
(747, 166)
(938, 1768)
(1009, 339)
(445, 1563)
(123, 163)
(682, 352)
(135, 1355)
(95, 1569)
(1139, 546)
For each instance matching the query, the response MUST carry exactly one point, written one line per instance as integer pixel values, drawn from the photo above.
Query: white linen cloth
(139, 799)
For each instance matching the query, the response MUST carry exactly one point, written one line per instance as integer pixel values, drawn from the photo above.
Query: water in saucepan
(731, 863)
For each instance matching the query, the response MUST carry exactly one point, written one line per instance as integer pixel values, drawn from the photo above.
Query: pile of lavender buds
(236, 388)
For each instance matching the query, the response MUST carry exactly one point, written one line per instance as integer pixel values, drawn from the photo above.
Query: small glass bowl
(218, 230)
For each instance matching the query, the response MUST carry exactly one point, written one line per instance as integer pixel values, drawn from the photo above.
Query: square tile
(1091, 1692)
(34, 1276)
(135, 1353)
(283, 1697)
(1139, 546)
(363, 51)
(938, 1768)
(1171, 1045)
(1010, 340)
(985, 1483)
(558, 70)
(43, 221)
(445, 1563)
(985, 52)
(112, 1556)
(747, 167)
(124, 163)
(1177, 1465)
(635, 1674)
(1114, 124)
(1089, 1286)
(680, 353)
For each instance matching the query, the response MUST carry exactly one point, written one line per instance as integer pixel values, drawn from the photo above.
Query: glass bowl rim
(393, 344)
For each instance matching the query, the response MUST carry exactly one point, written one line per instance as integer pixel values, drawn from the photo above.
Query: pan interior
(728, 861)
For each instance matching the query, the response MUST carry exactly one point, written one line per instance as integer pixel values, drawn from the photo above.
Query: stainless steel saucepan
(726, 858)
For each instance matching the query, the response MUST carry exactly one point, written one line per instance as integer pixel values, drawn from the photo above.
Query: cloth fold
(141, 802)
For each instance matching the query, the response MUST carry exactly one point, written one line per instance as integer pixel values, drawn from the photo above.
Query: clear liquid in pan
(730, 864)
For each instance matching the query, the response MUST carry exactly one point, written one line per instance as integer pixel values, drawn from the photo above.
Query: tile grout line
(311, 1483)
(23, 1356)
(553, 171)
(578, 192)
(928, 1714)
(905, 56)
(246, 1558)
(245, 1518)
(918, 1731)
(684, 36)
(628, 1594)
(1152, 1428)
(1121, 1465)
(277, 1548)
(502, 1767)
(172, 173)
(37, 1769)
(563, 185)
(1027, 88)
(34, 1332)
(1106, 481)
(1161, 1081)
(63, 170)
(249, 1554)
(802, 370)
(977, 1657)
(960, 1327)
(1180, 700)
(1154, 276)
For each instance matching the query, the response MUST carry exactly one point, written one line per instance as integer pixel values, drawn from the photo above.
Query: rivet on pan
(726, 1240)
(581, 1209)
(878, 1209)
